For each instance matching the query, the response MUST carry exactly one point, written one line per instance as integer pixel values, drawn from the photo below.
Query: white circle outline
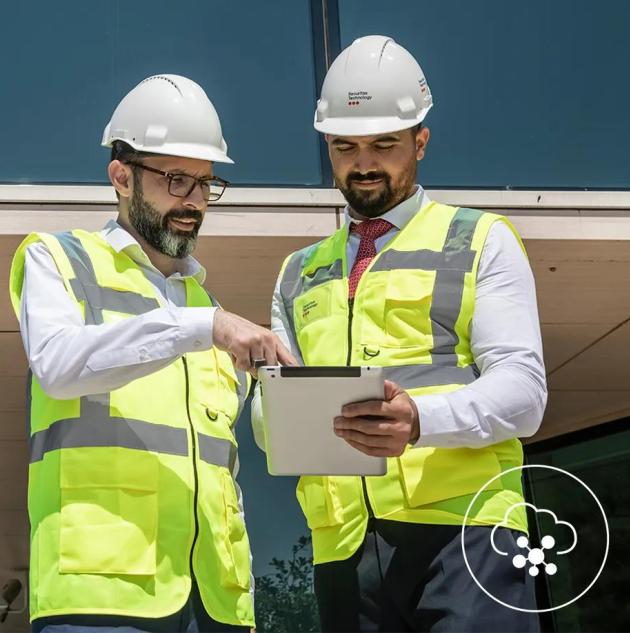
(472, 503)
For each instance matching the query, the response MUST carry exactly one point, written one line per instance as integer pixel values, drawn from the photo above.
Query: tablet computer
(299, 407)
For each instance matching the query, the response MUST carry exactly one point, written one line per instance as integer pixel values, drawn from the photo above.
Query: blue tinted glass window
(527, 94)
(602, 464)
(68, 64)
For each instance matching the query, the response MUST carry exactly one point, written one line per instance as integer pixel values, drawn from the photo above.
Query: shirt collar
(121, 240)
(400, 215)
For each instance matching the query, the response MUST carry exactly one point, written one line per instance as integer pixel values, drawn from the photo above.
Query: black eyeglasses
(182, 185)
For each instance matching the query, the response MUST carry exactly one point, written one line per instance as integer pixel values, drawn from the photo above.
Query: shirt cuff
(438, 426)
(195, 329)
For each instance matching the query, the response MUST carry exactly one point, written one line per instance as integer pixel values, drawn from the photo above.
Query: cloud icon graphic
(535, 509)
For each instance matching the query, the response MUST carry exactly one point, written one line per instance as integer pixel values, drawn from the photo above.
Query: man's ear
(121, 177)
(422, 139)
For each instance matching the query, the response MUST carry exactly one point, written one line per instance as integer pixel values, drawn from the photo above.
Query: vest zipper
(366, 498)
(350, 313)
(194, 463)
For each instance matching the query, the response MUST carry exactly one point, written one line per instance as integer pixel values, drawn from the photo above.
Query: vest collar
(121, 240)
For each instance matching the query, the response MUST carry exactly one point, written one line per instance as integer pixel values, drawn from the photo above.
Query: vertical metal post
(326, 46)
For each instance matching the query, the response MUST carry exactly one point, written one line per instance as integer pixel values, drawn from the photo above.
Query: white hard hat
(374, 86)
(168, 114)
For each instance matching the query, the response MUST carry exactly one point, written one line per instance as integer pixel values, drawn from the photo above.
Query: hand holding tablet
(299, 407)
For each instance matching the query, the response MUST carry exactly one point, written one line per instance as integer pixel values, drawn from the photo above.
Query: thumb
(391, 390)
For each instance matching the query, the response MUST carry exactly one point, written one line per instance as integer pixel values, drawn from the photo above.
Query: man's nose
(195, 198)
(366, 162)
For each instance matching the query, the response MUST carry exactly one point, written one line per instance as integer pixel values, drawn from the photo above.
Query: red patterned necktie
(370, 231)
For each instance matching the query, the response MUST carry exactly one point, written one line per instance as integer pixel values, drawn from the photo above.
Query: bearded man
(443, 299)
(136, 381)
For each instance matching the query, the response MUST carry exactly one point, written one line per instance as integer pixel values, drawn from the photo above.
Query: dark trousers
(192, 618)
(410, 577)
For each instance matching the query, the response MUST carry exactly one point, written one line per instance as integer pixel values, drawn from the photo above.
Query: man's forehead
(192, 166)
(365, 139)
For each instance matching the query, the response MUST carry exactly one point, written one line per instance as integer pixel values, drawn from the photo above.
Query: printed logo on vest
(307, 308)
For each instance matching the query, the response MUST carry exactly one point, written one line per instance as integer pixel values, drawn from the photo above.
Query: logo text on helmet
(355, 97)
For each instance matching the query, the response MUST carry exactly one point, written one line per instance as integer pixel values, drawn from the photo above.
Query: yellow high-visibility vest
(411, 314)
(131, 492)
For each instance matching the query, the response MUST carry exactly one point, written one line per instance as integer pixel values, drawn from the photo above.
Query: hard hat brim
(366, 126)
(185, 150)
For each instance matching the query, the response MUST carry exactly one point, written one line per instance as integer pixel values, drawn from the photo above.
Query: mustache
(357, 176)
(184, 214)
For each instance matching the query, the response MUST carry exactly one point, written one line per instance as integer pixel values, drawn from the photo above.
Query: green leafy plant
(285, 601)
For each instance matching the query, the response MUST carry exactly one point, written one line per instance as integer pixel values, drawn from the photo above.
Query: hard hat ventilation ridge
(170, 81)
(380, 57)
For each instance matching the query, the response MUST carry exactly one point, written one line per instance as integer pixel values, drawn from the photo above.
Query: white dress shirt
(71, 359)
(509, 397)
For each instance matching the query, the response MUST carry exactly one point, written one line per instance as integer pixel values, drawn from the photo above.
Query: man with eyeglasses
(136, 380)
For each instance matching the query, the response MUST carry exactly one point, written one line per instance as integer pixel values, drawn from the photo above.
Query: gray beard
(152, 226)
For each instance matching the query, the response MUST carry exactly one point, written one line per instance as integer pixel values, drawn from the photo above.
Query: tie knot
(371, 229)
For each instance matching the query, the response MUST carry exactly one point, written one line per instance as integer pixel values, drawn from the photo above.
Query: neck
(165, 264)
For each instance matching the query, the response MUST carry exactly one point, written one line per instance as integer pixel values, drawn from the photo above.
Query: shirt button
(143, 354)
(197, 344)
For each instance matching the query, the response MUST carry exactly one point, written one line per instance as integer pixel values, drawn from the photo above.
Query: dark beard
(153, 227)
(368, 203)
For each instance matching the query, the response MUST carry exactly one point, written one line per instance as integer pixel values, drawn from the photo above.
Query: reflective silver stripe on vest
(294, 283)
(448, 292)
(423, 260)
(113, 432)
(413, 376)
(242, 392)
(291, 282)
(322, 275)
(217, 451)
(291, 286)
(98, 298)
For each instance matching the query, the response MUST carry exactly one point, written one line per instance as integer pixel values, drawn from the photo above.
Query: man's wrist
(415, 429)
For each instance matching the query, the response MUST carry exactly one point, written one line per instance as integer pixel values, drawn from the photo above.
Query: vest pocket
(407, 308)
(430, 475)
(236, 564)
(319, 501)
(226, 388)
(108, 518)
